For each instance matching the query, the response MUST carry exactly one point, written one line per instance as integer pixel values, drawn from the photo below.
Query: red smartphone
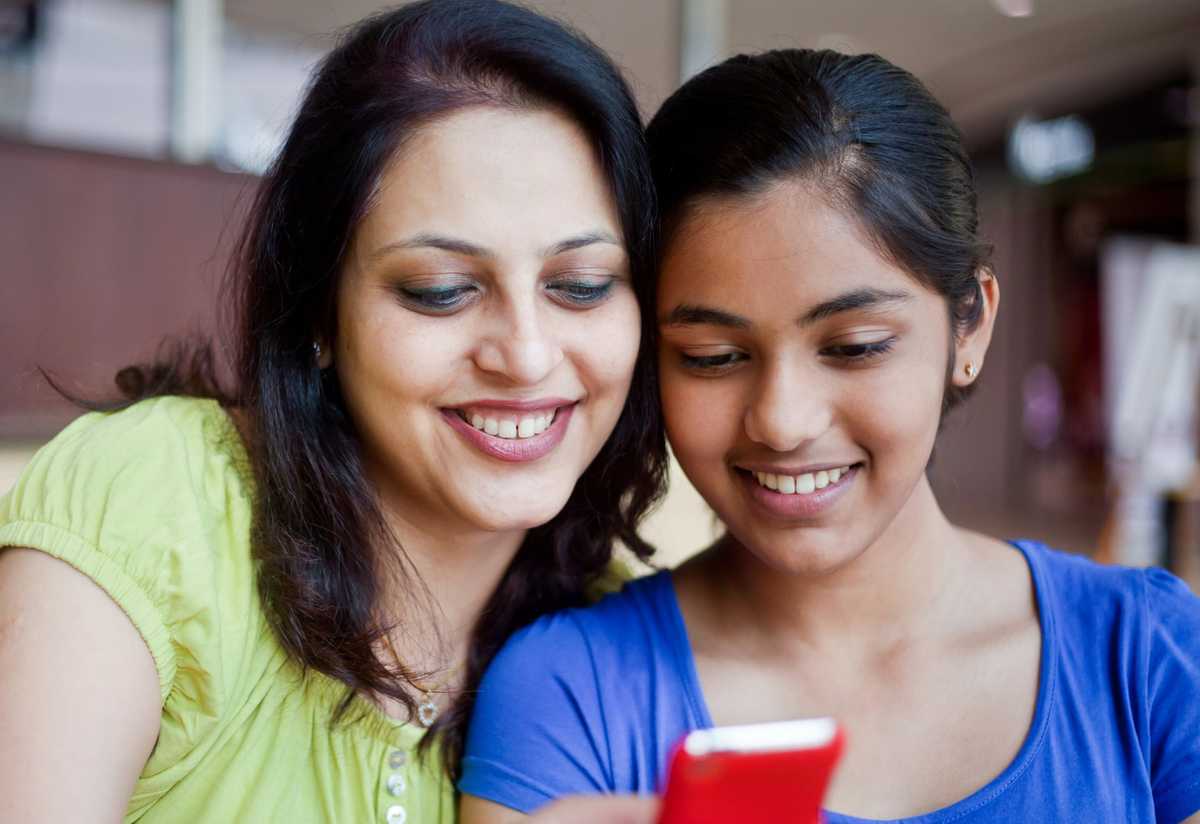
(755, 774)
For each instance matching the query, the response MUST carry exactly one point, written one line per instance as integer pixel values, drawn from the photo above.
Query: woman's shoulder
(154, 448)
(153, 504)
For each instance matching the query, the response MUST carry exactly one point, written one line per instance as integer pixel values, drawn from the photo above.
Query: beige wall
(13, 458)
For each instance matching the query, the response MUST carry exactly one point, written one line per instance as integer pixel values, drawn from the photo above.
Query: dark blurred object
(18, 27)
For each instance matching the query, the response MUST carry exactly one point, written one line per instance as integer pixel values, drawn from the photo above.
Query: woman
(824, 298)
(270, 604)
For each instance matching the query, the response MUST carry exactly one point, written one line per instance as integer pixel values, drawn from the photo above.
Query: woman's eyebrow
(428, 240)
(579, 241)
(458, 246)
(868, 298)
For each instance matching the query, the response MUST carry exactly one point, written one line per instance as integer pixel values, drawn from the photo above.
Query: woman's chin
(516, 518)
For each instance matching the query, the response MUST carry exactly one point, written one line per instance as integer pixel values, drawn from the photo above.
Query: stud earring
(316, 347)
(971, 370)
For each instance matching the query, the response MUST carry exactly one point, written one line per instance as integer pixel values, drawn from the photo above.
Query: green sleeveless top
(154, 504)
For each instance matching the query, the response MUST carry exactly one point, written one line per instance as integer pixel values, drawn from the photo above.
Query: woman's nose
(520, 346)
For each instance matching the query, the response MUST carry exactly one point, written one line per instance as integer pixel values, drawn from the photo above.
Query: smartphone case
(740, 779)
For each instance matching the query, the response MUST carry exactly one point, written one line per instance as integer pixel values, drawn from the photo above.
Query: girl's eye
(860, 352)
(711, 364)
(581, 293)
(437, 300)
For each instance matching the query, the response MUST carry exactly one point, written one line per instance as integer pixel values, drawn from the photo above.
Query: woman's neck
(449, 573)
(900, 587)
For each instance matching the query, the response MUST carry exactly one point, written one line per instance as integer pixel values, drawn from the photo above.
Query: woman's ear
(971, 348)
(323, 352)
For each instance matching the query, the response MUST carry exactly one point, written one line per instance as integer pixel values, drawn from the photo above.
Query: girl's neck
(900, 587)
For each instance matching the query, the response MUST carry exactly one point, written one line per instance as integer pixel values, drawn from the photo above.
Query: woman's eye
(438, 300)
(859, 352)
(711, 364)
(580, 292)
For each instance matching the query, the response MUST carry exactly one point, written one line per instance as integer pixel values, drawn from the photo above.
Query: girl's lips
(513, 450)
(797, 506)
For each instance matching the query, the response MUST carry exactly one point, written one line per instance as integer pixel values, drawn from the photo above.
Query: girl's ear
(971, 348)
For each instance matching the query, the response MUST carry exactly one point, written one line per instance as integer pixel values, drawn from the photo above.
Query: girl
(259, 605)
(824, 299)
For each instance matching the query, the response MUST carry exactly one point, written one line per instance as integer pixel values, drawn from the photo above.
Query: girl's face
(802, 375)
(486, 324)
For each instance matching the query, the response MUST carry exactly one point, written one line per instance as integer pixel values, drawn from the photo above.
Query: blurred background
(131, 132)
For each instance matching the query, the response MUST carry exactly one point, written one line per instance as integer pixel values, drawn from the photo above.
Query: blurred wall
(102, 257)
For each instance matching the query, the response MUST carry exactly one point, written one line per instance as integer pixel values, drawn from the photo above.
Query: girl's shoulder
(1107, 593)
(583, 701)
(631, 622)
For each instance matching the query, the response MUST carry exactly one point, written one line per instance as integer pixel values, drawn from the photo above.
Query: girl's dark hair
(320, 540)
(866, 133)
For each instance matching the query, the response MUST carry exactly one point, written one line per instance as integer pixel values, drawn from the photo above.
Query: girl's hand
(580, 809)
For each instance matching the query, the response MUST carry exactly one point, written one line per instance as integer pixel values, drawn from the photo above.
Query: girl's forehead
(789, 233)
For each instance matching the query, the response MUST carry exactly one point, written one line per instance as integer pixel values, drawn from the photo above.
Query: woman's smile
(513, 431)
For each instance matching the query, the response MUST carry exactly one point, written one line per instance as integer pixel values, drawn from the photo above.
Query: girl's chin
(806, 550)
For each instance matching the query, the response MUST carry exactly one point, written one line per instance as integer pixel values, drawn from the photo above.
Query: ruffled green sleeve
(151, 504)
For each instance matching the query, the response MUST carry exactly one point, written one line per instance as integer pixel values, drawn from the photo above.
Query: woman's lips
(516, 436)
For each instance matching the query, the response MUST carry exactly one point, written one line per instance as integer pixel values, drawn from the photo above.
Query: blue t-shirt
(592, 700)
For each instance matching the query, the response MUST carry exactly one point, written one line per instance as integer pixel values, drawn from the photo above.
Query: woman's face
(802, 375)
(486, 325)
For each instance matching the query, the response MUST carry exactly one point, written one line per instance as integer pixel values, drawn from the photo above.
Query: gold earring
(971, 370)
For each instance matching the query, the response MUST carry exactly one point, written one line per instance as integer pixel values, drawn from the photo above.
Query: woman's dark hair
(864, 132)
(320, 540)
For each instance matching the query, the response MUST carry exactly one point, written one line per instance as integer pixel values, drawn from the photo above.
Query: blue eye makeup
(581, 293)
(436, 299)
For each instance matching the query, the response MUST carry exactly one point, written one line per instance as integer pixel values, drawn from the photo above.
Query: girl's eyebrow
(867, 298)
(690, 314)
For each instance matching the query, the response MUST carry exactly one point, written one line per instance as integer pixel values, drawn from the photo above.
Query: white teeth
(509, 429)
(805, 484)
